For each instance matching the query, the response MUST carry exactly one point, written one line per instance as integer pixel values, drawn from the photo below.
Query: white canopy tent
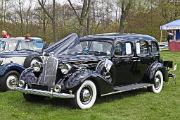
(175, 25)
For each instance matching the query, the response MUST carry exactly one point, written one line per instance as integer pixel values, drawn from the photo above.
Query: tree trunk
(122, 24)
(54, 20)
(21, 18)
(44, 24)
(125, 8)
(88, 25)
(52, 17)
(83, 16)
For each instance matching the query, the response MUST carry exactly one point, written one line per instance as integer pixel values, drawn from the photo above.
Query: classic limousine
(98, 65)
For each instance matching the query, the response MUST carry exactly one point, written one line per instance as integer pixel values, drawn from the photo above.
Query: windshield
(8, 45)
(30, 45)
(97, 48)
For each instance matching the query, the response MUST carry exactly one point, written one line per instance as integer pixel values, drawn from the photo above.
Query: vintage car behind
(15, 54)
(99, 65)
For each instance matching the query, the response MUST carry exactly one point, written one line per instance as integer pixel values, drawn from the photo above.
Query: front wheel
(9, 81)
(85, 96)
(158, 82)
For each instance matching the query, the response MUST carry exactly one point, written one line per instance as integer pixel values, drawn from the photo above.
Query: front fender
(157, 66)
(102, 85)
(9, 67)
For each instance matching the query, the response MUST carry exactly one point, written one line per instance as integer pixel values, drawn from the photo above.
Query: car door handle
(136, 60)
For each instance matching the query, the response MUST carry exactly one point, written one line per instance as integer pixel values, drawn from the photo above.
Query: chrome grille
(48, 76)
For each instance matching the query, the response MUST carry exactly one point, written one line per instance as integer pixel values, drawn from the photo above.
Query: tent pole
(161, 37)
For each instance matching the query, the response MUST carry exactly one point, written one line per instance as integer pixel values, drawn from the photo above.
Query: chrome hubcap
(86, 95)
(12, 81)
(157, 82)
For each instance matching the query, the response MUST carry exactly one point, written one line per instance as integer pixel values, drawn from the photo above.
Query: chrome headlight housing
(57, 88)
(65, 68)
(37, 66)
(1, 60)
(21, 83)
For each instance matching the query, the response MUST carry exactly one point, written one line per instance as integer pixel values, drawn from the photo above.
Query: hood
(22, 53)
(60, 46)
(79, 58)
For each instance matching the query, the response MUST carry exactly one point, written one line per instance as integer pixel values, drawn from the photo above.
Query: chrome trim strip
(115, 92)
(44, 93)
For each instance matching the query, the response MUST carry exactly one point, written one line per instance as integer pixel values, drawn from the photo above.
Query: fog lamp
(21, 83)
(57, 88)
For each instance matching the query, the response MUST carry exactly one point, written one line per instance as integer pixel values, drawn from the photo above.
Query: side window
(154, 47)
(123, 49)
(142, 47)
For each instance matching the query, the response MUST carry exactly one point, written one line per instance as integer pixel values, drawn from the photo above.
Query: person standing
(5, 34)
(170, 36)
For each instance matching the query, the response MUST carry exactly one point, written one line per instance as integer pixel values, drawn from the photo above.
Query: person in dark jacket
(170, 36)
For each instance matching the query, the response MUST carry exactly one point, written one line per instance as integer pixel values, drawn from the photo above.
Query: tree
(52, 17)
(125, 6)
(83, 16)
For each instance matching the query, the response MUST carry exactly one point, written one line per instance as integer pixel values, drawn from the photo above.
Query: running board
(121, 89)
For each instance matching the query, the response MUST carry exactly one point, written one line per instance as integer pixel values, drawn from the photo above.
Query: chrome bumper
(44, 93)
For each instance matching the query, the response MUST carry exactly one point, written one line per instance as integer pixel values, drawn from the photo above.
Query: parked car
(99, 65)
(163, 46)
(15, 55)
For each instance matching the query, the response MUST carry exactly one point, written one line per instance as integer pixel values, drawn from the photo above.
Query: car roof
(33, 38)
(20, 38)
(119, 37)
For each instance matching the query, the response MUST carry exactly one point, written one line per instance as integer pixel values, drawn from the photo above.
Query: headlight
(65, 68)
(1, 60)
(57, 88)
(37, 67)
(21, 83)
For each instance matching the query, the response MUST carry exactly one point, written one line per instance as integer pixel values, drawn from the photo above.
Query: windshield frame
(7, 41)
(30, 41)
(110, 42)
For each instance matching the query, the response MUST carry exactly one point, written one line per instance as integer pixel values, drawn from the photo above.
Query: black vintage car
(98, 65)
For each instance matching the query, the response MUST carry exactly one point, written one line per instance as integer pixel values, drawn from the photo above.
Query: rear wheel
(31, 98)
(158, 82)
(9, 81)
(85, 96)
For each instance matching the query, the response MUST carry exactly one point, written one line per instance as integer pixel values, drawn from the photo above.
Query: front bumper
(51, 94)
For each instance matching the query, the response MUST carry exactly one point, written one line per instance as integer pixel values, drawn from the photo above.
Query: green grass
(135, 105)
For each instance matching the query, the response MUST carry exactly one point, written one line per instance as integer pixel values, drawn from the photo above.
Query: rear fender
(157, 66)
(102, 85)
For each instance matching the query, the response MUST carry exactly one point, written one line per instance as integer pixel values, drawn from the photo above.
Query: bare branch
(77, 15)
(44, 9)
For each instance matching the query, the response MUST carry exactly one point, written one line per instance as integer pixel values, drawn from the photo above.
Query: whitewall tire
(158, 82)
(9, 81)
(12, 81)
(86, 95)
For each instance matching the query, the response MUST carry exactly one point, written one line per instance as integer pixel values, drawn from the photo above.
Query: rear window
(142, 47)
(154, 47)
